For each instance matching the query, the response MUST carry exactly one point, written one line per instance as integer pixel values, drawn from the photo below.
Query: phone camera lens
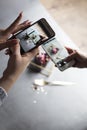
(61, 63)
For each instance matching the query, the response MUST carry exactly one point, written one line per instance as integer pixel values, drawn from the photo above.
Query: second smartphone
(57, 53)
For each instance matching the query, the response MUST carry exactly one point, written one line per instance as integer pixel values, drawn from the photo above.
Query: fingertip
(14, 41)
(20, 14)
(27, 22)
(32, 53)
(18, 40)
(35, 51)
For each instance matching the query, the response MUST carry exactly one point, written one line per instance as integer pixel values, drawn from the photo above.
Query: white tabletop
(58, 108)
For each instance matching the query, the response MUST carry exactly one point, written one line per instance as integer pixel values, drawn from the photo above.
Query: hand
(80, 59)
(16, 65)
(12, 29)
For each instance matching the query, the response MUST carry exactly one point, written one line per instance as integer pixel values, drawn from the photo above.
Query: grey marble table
(54, 108)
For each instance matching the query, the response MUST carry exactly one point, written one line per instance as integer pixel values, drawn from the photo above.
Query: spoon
(42, 82)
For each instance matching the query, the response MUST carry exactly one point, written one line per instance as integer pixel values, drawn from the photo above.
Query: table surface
(50, 108)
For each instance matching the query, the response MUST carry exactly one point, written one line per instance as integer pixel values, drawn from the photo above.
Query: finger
(44, 39)
(32, 53)
(8, 44)
(8, 52)
(22, 26)
(15, 50)
(12, 27)
(69, 50)
(71, 57)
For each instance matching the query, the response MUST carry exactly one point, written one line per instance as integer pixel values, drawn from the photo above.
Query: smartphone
(35, 35)
(57, 53)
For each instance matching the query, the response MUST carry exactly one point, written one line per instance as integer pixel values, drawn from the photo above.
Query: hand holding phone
(57, 53)
(35, 35)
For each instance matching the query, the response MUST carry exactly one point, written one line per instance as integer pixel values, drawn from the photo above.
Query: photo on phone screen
(55, 50)
(35, 35)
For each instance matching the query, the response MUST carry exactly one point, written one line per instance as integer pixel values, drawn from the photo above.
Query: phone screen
(34, 36)
(55, 50)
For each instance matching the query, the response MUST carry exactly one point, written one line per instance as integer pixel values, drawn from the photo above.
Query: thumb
(15, 50)
(8, 44)
(71, 57)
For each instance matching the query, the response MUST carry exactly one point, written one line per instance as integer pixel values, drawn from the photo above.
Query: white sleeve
(3, 95)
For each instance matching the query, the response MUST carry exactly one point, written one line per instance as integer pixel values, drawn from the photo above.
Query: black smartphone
(34, 35)
(57, 53)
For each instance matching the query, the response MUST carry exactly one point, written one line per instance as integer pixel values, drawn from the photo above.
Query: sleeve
(3, 95)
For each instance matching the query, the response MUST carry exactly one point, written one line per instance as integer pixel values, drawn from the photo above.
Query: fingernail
(28, 22)
(15, 41)
(18, 40)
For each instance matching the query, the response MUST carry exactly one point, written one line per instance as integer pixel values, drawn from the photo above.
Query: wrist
(6, 82)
